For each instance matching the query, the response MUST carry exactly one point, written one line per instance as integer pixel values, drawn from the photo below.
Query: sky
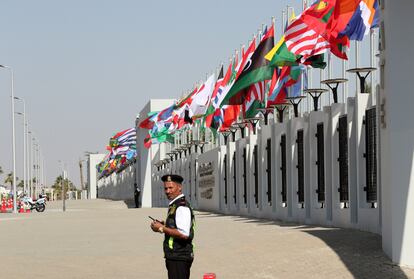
(86, 68)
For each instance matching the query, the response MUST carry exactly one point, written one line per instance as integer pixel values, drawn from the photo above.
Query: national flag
(311, 33)
(166, 114)
(210, 108)
(365, 17)
(157, 137)
(257, 69)
(254, 98)
(201, 99)
(148, 123)
(288, 76)
(280, 56)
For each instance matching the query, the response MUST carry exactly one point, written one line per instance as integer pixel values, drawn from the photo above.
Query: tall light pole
(13, 139)
(34, 179)
(29, 161)
(24, 143)
(63, 186)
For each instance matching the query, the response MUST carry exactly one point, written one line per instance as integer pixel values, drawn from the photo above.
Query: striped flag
(312, 33)
(301, 40)
(254, 98)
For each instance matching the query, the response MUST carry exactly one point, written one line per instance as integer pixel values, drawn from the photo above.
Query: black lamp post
(333, 85)
(295, 101)
(265, 112)
(253, 121)
(241, 125)
(202, 144)
(233, 131)
(226, 133)
(195, 143)
(362, 78)
(281, 107)
(315, 94)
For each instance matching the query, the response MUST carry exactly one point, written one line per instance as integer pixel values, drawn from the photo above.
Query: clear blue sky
(86, 68)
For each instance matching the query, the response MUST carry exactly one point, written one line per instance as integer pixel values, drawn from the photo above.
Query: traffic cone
(10, 204)
(3, 206)
(21, 209)
(209, 276)
(27, 209)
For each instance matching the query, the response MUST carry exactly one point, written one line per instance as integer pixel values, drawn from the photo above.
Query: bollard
(3, 206)
(10, 204)
(27, 207)
(209, 276)
(21, 209)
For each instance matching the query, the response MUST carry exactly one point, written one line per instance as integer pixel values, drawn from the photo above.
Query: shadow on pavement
(130, 203)
(359, 251)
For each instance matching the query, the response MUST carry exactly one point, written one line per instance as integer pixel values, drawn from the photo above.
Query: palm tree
(21, 184)
(9, 179)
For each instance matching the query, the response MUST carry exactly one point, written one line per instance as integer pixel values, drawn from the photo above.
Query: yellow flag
(272, 53)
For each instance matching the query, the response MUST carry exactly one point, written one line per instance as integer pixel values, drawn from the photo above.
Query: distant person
(178, 229)
(137, 193)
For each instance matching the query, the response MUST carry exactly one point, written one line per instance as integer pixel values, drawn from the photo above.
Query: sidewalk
(104, 239)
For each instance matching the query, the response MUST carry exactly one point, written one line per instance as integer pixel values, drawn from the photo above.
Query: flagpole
(308, 68)
(345, 84)
(274, 38)
(356, 66)
(372, 45)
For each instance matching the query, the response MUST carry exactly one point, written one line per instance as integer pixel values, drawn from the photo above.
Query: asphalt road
(105, 239)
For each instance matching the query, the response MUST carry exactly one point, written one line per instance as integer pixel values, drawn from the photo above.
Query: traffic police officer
(178, 229)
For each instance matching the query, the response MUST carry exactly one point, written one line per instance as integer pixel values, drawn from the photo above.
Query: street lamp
(13, 139)
(63, 186)
(24, 143)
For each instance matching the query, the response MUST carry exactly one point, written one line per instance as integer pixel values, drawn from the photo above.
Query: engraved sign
(207, 180)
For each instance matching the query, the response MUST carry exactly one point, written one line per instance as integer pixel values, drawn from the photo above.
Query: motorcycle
(39, 204)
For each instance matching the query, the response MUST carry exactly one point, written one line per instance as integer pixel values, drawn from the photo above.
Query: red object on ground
(10, 204)
(21, 210)
(209, 276)
(3, 206)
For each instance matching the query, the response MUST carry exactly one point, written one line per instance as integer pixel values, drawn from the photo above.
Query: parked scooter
(39, 204)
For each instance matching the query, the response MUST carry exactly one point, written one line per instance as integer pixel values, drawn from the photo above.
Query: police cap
(172, 178)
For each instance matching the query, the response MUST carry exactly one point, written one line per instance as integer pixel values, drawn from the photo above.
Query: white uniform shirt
(182, 218)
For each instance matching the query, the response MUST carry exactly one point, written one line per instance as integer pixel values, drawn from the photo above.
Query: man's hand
(155, 226)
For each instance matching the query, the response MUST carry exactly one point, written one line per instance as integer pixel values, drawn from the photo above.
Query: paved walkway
(105, 239)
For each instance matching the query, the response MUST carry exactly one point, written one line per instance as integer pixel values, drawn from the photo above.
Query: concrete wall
(117, 186)
(92, 161)
(397, 132)
(147, 157)
(251, 198)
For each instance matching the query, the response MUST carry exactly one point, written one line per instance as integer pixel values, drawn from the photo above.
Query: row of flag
(122, 151)
(265, 73)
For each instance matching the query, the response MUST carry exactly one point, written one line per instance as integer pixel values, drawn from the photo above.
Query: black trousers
(178, 269)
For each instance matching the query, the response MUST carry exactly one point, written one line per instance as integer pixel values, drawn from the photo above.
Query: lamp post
(24, 143)
(63, 186)
(13, 139)
(29, 161)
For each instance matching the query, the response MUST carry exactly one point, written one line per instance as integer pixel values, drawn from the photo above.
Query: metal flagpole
(345, 84)
(372, 61)
(356, 66)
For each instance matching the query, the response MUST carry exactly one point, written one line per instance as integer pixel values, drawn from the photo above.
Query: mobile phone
(153, 219)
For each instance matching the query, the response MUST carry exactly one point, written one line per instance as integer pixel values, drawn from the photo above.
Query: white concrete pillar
(397, 132)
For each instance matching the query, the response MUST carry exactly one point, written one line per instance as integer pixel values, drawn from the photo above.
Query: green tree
(21, 184)
(9, 179)
(68, 186)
